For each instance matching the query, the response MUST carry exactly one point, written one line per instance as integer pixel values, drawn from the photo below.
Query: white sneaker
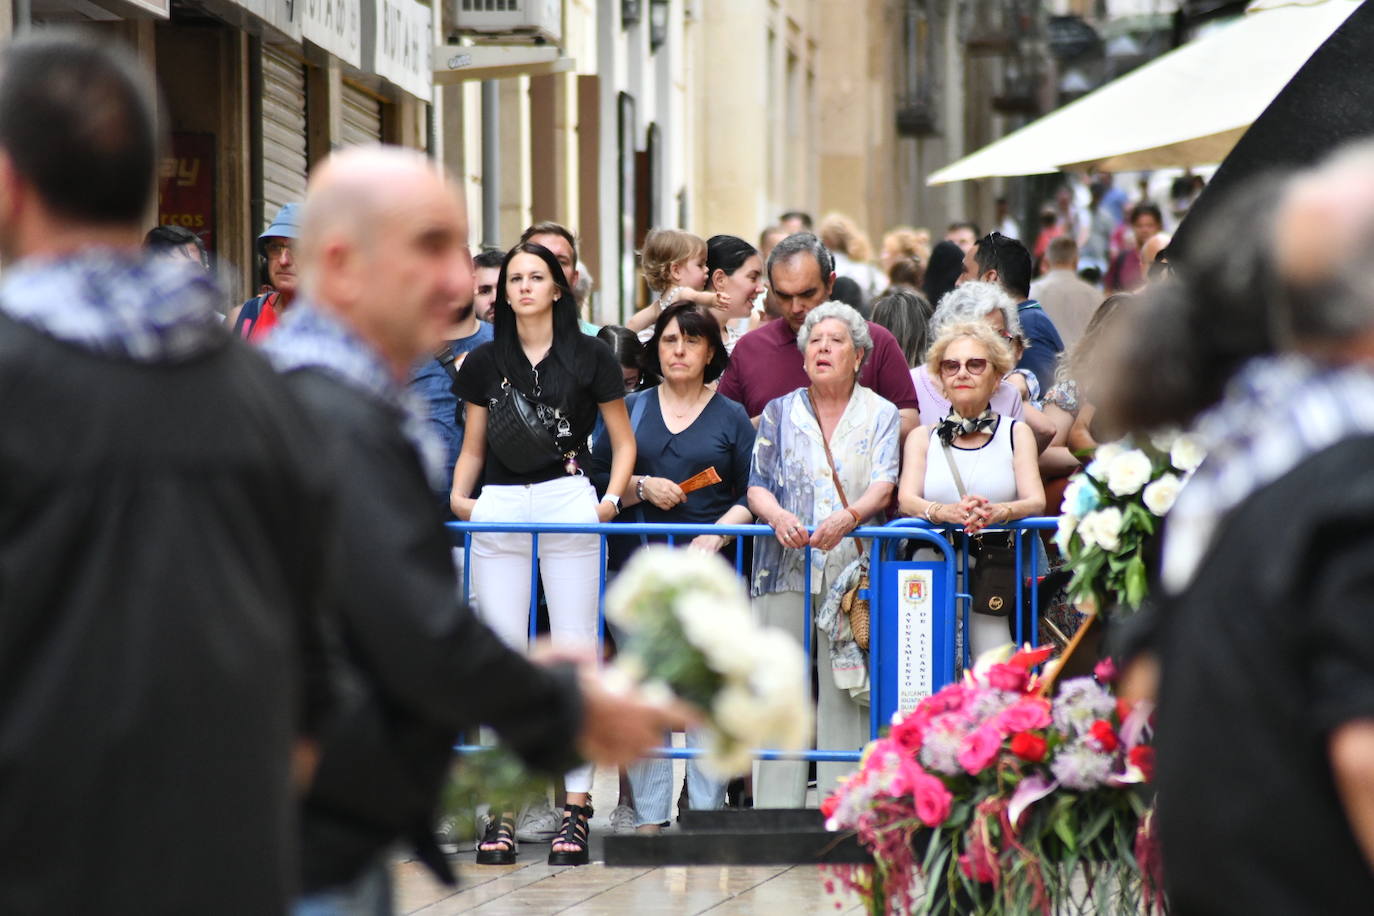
(538, 823)
(623, 819)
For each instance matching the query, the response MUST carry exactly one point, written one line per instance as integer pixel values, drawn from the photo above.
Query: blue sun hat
(287, 225)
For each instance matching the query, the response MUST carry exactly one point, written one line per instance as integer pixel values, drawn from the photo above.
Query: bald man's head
(384, 245)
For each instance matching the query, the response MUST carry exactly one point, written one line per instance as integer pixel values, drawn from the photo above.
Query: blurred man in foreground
(383, 255)
(161, 525)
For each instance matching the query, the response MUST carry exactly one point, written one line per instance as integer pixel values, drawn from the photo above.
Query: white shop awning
(1185, 108)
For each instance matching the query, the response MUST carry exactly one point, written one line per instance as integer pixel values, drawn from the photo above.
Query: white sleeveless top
(987, 470)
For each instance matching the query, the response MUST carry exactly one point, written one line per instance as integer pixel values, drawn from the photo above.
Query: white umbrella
(1187, 107)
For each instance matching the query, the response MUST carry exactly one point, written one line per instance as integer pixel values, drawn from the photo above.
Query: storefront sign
(403, 45)
(336, 26)
(186, 186)
(283, 15)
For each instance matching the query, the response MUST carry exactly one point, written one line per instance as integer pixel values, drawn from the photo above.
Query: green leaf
(1136, 582)
(1095, 826)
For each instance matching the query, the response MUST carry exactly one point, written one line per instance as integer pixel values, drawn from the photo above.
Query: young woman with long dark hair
(539, 355)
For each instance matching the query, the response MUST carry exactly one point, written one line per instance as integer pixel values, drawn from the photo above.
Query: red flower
(1028, 746)
(1105, 736)
(1007, 677)
(1027, 659)
(1143, 756)
(829, 805)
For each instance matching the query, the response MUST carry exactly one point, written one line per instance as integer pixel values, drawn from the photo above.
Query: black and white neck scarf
(954, 425)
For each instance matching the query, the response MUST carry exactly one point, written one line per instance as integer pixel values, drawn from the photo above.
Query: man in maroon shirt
(767, 364)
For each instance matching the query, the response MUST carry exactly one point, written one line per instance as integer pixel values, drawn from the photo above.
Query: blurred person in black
(162, 525)
(1266, 692)
(384, 255)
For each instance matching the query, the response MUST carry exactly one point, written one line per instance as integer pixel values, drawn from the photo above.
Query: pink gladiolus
(1007, 677)
(1029, 713)
(933, 800)
(979, 750)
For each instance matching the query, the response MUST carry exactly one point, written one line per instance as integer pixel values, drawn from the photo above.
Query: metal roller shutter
(362, 116)
(283, 130)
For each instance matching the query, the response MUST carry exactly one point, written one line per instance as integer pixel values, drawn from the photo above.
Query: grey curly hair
(973, 302)
(858, 328)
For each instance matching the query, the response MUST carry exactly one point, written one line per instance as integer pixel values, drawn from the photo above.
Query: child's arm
(645, 317)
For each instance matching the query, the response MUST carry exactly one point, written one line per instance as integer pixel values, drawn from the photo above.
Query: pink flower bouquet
(990, 797)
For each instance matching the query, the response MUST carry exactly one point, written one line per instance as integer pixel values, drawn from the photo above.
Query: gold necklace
(682, 414)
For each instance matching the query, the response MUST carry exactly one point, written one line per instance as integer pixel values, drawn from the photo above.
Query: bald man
(383, 257)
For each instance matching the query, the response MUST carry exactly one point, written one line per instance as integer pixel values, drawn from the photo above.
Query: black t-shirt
(1269, 650)
(596, 379)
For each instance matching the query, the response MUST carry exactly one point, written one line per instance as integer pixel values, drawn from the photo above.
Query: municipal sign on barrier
(916, 657)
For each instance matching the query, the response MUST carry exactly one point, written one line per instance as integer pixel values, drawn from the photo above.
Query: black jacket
(1266, 652)
(421, 666)
(160, 537)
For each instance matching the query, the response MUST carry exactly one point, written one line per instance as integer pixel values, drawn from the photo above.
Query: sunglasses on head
(975, 366)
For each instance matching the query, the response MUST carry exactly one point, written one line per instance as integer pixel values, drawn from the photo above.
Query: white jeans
(569, 565)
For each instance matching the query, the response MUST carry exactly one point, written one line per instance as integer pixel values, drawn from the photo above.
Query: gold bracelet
(931, 509)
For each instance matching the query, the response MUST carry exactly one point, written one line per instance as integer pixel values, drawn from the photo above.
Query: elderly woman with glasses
(998, 476)
(825, 462)
(986, 303)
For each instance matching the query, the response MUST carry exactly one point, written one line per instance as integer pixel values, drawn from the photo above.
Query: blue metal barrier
(948, 589)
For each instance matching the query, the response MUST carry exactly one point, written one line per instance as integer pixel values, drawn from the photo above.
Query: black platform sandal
(573, 833)
(499, 831)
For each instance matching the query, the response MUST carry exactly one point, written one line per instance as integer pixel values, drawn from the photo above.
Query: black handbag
(992, 580)
(524, 433)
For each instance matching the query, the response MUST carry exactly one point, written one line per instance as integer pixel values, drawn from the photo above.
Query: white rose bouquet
(1111, 513)
(691, 632)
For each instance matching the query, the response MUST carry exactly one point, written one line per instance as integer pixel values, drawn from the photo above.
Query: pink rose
(1026, 714)
(1105, 671)
(1007, 677)
(951, 698)
(933, 800)
(979, 750)
(909, 734)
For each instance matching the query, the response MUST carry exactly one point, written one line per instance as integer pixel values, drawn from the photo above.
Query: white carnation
(1068, 523)
(737, 713)
(1102, 528)
(1164, 439)
(725, 759)
(1186, 454)
(1128, 472)
(1108, 451)
(1160, 495)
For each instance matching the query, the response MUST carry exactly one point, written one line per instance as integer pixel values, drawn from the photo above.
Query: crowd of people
(230, 527)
